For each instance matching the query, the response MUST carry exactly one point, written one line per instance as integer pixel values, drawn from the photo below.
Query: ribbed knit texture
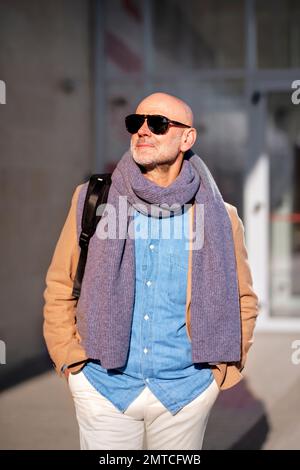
(105, 307)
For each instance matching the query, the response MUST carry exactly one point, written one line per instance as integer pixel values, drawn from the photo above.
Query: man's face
(149, 149)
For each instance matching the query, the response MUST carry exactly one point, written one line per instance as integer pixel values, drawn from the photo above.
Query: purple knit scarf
(105, 307)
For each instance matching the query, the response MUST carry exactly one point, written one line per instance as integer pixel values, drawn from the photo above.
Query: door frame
(256, 198)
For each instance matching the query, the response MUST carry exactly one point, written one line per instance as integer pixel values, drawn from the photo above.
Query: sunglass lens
(133, 122)
(158, 124)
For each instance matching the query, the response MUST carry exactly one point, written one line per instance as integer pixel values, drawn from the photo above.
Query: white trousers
(103, 426)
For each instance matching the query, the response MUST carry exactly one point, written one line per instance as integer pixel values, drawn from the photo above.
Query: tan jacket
(60, 332)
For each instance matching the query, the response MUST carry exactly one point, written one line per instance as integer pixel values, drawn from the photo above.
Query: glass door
(272, 207)
(282, 143)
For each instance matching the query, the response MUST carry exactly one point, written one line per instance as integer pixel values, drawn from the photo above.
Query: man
(166, 315)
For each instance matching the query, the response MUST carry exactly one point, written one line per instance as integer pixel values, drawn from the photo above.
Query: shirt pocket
(177, 279)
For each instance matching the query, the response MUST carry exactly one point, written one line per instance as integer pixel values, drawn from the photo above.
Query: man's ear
(188, 139)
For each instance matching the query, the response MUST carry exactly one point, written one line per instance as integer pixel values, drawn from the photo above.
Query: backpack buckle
(83, 240)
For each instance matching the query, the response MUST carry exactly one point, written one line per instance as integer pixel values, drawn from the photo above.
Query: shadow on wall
(238, 421)
(25, 370)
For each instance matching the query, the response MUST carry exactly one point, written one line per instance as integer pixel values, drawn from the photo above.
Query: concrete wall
(45, 151)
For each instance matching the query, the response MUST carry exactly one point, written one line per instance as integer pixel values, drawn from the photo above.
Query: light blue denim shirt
(160, 352)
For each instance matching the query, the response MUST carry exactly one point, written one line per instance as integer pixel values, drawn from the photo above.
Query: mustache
(148, 142)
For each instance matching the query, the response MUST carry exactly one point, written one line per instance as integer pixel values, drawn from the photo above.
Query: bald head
(167, 105)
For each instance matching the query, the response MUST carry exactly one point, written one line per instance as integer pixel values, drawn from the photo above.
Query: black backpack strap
(97, 194)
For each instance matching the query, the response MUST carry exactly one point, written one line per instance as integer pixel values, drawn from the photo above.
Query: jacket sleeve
(248, 298)
(59, 326)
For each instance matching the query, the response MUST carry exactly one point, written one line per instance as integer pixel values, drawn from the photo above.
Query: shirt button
(145, 350)
(146, 317)
(147, 380)
(151, 247)
(148, 283)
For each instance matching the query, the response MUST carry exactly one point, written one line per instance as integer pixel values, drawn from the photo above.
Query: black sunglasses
(157, 124)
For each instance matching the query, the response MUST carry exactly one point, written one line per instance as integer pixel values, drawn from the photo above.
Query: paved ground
(263, 412)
